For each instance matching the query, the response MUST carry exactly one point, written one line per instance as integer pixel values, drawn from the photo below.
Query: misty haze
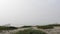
(34, 16)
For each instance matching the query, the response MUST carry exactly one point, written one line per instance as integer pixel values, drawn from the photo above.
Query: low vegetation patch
(54, 25)
(50, 26)
(45, 27)
(30, 31)
(7, 28)
(26, 26)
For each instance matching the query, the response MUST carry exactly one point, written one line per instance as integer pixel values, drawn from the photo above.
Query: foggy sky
(29, 12)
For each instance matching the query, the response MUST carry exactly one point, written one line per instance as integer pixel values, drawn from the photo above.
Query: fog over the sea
(29, 12)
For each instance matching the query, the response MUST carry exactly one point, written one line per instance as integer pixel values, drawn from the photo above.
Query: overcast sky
(29, 12)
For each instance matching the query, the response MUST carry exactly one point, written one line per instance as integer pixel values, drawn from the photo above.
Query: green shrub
(30, 31)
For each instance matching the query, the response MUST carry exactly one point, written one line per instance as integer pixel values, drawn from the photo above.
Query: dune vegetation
(7, 28)
(25, 26)
(50, 26)
(30, 31)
